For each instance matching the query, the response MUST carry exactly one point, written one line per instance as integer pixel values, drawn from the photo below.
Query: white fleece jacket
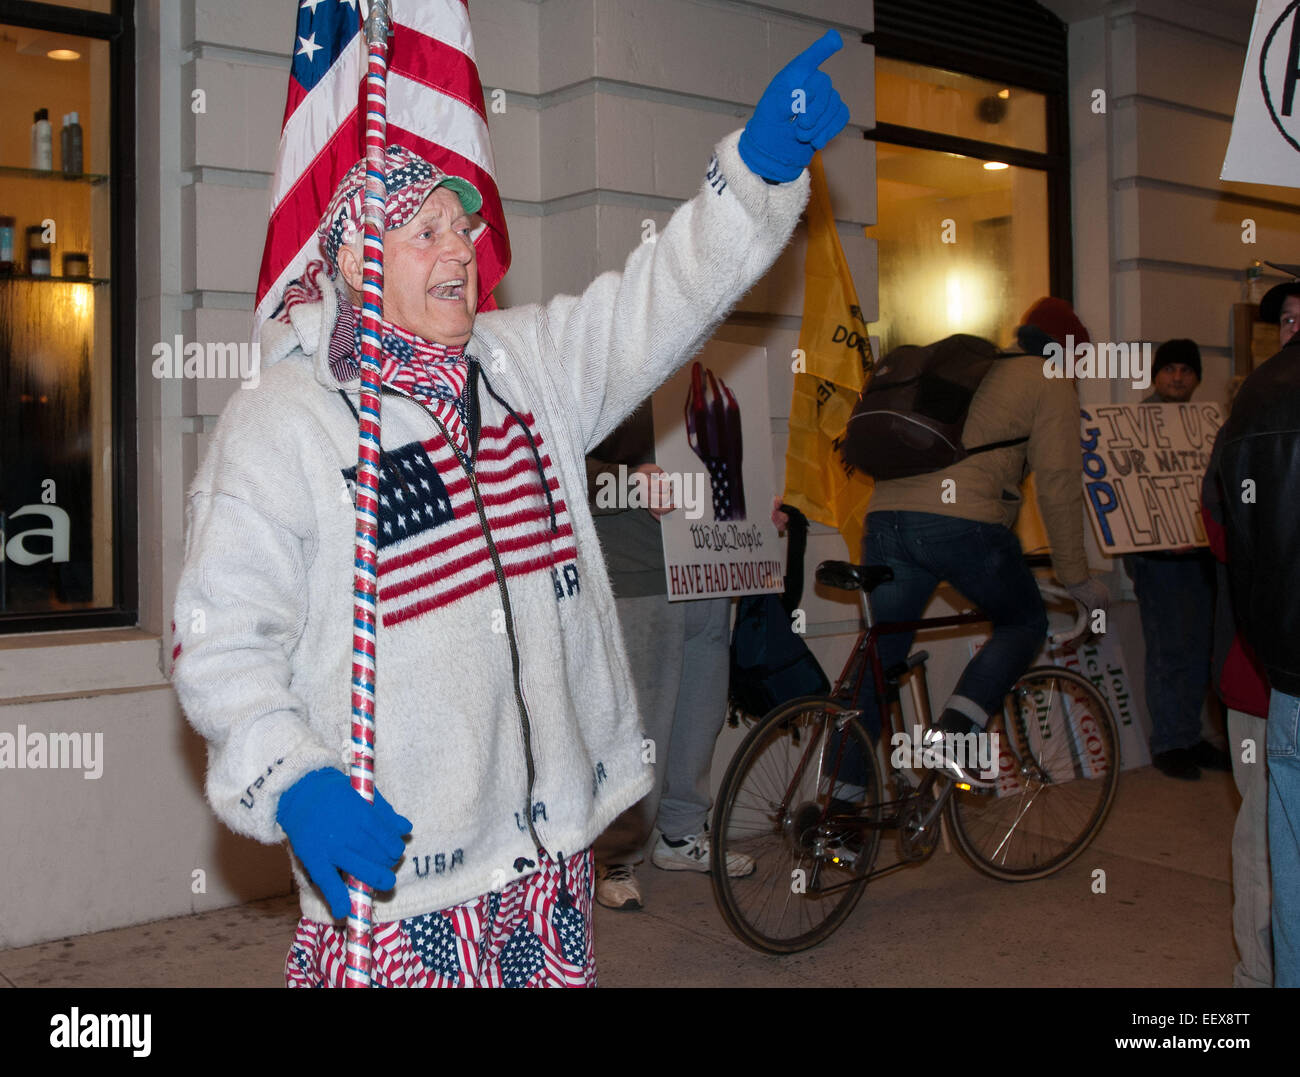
(263, 609)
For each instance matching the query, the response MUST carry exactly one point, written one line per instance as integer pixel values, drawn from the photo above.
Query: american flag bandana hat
(411, 179)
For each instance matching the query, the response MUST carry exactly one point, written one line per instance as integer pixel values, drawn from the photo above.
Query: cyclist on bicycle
(955, 524)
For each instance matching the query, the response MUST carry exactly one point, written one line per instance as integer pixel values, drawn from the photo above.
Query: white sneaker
(693, 855)
(949, 758)
(616, 886)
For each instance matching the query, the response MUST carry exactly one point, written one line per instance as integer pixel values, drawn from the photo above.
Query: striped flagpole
(365, 577)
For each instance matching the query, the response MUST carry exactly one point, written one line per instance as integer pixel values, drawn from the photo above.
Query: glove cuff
(764, 164)
(760, 197)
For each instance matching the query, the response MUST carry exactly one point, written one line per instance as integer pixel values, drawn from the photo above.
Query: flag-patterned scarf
(431, 374)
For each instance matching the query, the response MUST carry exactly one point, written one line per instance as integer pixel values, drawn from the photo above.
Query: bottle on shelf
(71, 141)
(1255, 284)
(38, 254)
(42, 142)
(7, 225)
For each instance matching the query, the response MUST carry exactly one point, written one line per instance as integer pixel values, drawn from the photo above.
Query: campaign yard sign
(1056, 726)
(1264, 146)
(1101, 660)
(1142, 470)
(713, 437)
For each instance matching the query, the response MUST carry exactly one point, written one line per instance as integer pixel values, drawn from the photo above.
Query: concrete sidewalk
(1164, 921)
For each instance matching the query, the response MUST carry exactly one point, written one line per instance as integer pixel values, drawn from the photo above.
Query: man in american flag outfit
(508, 733)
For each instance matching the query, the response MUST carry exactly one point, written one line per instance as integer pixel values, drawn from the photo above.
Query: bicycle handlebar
(1080, 626)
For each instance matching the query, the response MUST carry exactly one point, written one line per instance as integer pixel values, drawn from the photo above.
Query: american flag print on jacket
(431, 548)
(431, 542)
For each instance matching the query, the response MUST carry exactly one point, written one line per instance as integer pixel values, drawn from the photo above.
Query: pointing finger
(814, 56)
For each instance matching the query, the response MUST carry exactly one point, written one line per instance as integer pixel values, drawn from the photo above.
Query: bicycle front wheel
(1057, 774)
(789, 821)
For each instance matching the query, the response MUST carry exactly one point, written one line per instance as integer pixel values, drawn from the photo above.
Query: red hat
(1057, 319)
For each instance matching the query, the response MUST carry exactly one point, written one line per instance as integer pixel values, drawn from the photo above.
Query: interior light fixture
(81, 299)
(1004, 94)
(995, 166)
(63, 54)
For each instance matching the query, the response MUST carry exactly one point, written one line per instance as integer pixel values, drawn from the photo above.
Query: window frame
(1055, 162)
(118, 29)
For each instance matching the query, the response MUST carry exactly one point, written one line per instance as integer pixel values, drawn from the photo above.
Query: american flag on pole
(435, 109)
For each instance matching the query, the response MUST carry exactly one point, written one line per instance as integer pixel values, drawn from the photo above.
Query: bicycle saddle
(851, 577)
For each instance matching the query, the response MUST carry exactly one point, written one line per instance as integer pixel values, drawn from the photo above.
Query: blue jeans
(982, 561)
(1284, 835)
(1176, 599)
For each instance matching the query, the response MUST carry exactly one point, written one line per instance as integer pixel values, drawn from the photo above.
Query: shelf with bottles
(48, 279)
(93, 178)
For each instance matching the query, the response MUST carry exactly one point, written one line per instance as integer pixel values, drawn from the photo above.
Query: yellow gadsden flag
(831, 367)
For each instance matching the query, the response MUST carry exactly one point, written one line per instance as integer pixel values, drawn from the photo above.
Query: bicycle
(804, 796)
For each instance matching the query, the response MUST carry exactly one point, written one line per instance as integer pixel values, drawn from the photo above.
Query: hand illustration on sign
(713, 432)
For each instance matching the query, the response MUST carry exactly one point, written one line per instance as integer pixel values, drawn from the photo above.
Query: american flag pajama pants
(534, 933)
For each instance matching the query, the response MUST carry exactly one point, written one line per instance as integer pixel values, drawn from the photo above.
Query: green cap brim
(471, 201)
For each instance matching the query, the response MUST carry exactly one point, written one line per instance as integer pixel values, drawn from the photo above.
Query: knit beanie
(1178, 351)
(1057, 319)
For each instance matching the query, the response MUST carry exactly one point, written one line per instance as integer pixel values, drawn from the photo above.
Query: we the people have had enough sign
(1142, 471)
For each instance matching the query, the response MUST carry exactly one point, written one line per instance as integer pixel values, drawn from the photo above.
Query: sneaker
(957, 769)
(691, 853)
(616, 886)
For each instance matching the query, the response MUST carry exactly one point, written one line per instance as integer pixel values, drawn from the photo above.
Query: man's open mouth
(449, 289)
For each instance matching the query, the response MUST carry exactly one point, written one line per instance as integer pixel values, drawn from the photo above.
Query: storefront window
(59, 531)
(964, 204)
(961, 248)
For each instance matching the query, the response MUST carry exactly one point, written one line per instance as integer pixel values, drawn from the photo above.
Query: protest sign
(713, 437)
(1142, 471)
(1264, 146)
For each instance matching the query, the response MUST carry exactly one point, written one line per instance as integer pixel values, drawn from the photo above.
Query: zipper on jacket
(514, 655)
(467, 466)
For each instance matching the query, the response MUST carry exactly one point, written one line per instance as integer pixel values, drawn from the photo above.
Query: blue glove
(333, 829)
(799, 112)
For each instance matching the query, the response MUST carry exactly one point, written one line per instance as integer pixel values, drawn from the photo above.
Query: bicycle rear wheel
(1058, 771)
(789, 801)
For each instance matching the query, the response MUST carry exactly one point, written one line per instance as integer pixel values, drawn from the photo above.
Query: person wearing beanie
(1175, 372)
(968, 541)
(1050, 320)
(1175, 593)
(508, 734)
